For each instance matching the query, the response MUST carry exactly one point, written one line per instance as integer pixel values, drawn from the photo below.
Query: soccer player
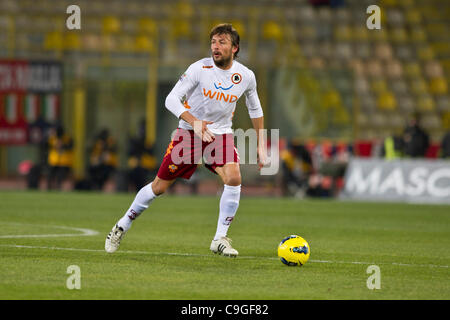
(204, 99)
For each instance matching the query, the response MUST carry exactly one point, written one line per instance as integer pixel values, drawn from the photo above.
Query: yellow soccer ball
(294, 251)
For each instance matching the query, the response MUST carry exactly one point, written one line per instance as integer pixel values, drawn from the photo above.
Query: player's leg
(167, 173)
(229, 203)
(143, 199)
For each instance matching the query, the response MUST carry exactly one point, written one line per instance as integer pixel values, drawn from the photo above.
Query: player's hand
(201, 130)
(262, 157)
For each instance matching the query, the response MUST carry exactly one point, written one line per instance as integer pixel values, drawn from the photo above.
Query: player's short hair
(226, 28)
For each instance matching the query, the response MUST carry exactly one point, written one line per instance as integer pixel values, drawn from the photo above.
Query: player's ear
(234, 49)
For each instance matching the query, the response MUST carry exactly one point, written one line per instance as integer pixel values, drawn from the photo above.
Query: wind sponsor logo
(220, 96)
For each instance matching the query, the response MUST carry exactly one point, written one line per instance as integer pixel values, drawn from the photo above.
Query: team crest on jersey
(236, 78)
(173, 168)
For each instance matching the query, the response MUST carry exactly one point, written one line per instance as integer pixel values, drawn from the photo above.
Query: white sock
(229, 203)
(141, 202)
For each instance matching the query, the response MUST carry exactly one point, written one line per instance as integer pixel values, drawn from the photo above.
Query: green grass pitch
(165, 255)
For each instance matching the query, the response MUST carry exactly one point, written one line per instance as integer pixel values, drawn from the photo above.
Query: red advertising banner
(29, 94)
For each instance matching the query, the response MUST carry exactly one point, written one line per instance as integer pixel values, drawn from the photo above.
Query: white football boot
(113, 239)
(223, 246)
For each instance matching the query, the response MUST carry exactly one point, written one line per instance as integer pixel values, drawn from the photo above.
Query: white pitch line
(210, 255)
(84, 232)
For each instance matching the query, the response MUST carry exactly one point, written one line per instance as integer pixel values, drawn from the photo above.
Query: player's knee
(159, 186)
(233, 180)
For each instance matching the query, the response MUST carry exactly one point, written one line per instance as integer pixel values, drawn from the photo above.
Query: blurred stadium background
(334, 88)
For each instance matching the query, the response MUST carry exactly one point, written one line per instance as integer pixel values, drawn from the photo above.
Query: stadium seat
(386, 101)
(362, 120)
(343, 83)
(425, 53)
(379, 119)
(404, 52)
(125, 43)
(412, 70)
(325, 15)
(399, 87)
(331, 99)
(394, 17)
(343, 33)
(441, 48)
(418, 35)
(307, 33)
(132, 9)
(383, 51)
(437, 30)
(443, 103)
(325, 49)
(97, 8)
(72, 41)
(310, 50)
(342, 16)
(108, 42)
(419, 86)
(363, 50)
(361, 85)
(110, 24)
(396, 120)
(54, 41)
(388, 3)
(406, 103)
(91, 24)
(425, 103)
(272, 30)
(147, 26)
(91, 42)
(374, 69)
(413, 17)
(180, 28)
(343, 51)
(431, 121)
(341, 116)
(240, 28)
(446, 120)
(317, 63)
(368, 103)
(398, 35)
(184, 9)
(307, 15)
(357, 67)
(379, 35)
(438, 86)
(360, 33)
(446, 65)
(144, 43)
(431, 13)
(394, 69)
(379, 85)
(433, 69)
(129, 26)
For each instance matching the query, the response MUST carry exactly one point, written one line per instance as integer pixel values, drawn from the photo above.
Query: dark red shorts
(186, 151)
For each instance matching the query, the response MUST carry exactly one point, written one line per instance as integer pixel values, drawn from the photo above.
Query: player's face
(222, 49)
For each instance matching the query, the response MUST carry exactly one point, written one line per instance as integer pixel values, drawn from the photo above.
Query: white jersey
(210, 93)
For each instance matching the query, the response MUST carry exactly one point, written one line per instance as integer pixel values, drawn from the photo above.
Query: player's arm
(188, 81)
(199, 126)
(258, 125)
(256, 114)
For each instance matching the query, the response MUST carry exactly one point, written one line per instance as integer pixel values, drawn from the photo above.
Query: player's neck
(225, 66)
